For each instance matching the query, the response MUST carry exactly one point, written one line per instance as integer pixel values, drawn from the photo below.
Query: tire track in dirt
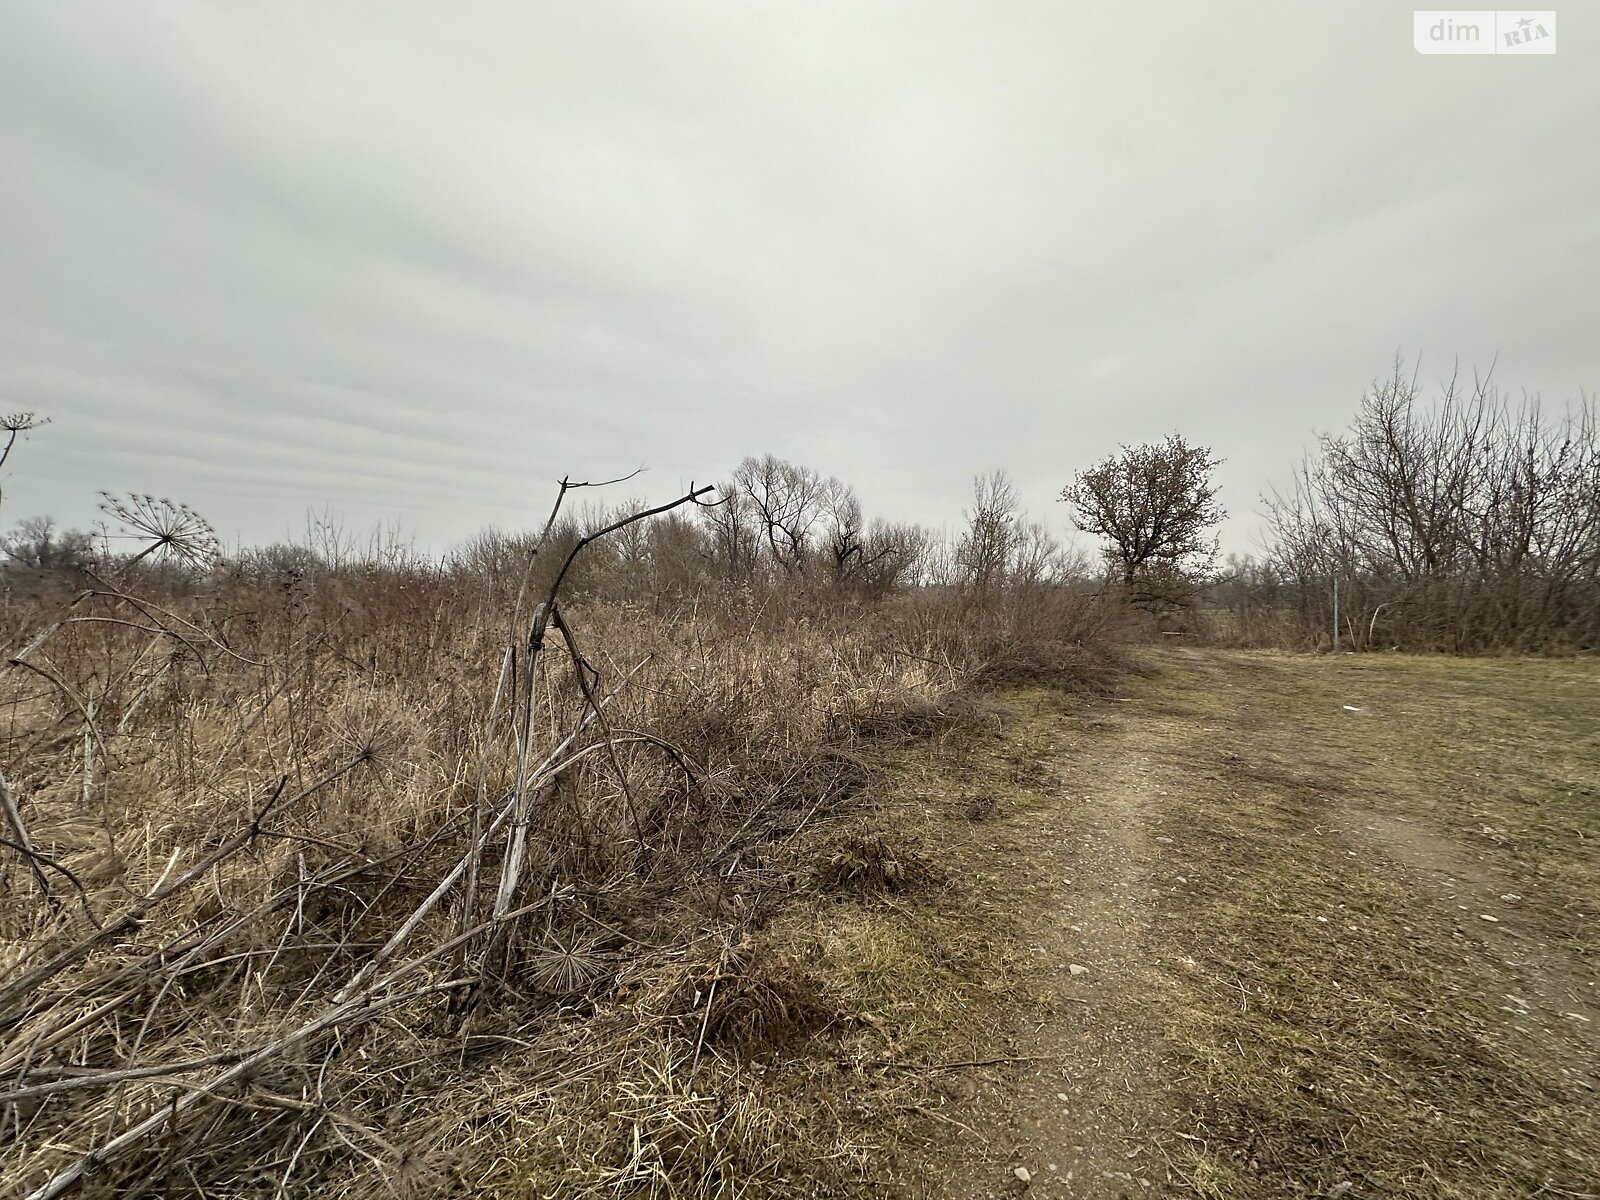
(1493, 988)
(1543, 992)
(1462, 895)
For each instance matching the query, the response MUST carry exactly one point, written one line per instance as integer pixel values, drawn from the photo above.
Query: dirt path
(1271, 948)
(1074, 1112)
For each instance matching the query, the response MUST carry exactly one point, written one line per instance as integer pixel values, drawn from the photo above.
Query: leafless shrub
(1469, 524)
(862, 859)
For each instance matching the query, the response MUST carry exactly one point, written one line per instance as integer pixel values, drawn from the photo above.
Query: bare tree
(873, 557)
(788, 501)
(1156, 505)
(985, 550)
(37, 542)
(1467, 524)
(893, 555)
(735, 541)
(846, 535)
(1037, 558)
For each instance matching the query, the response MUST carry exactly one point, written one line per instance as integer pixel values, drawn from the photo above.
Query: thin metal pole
(1336, 614)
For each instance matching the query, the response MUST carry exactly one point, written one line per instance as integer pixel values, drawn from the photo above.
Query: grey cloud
(416, 260)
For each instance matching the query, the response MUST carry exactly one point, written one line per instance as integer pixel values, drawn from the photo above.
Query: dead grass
(1318, 1023)
(290, 918)
(1320, 1054)
(1503, 752)
(1328, 1030)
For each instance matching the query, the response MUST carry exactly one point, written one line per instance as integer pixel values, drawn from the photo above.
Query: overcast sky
(414, 261)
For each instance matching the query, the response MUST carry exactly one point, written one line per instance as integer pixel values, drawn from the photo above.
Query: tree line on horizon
(1469, 523)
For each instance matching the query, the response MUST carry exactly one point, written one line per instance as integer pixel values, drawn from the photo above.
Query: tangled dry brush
(379, 877)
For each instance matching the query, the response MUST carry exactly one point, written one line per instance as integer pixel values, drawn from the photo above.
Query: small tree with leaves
(1156, 506)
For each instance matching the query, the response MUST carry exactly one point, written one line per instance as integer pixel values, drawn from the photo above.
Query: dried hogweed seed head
(168, 529)
(21, 422)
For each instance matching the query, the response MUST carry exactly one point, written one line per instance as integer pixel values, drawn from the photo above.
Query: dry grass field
(346, 885)
(388, 881)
